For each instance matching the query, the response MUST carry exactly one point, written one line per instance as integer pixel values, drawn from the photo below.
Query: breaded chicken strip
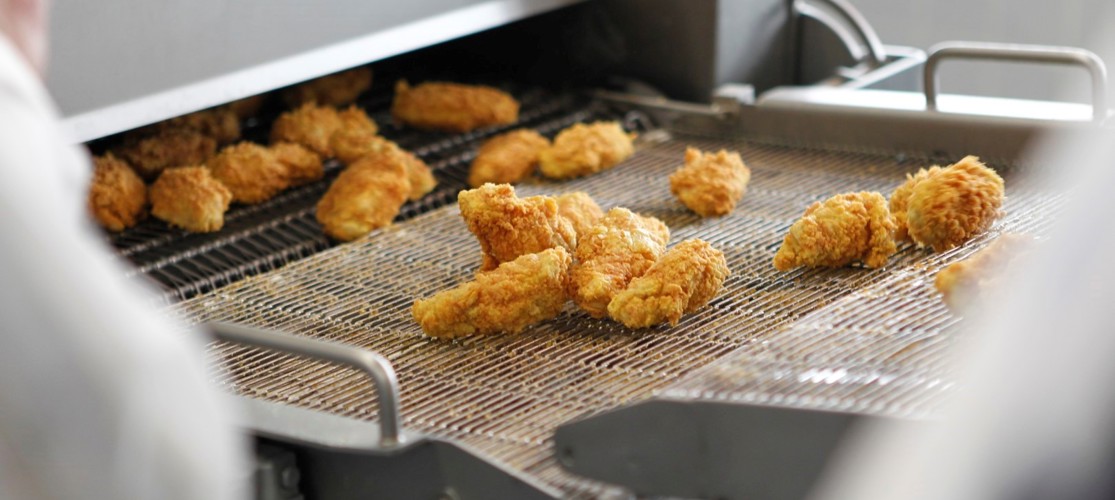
(900, 199)
(586, 149)
(948, 208)
(507, 158)
(452, 107)
(302, 165)
(581, 210)
(190, 198)
(175, 148)
(366, 196)
(251, 172)
(351, 145)
(511, 297)
(970, 281)
(508, 226)
(710, 183)
(310, 125)
(619, 248)
(838, 231)
(337, 89)
(248, 106)
(117, 196)
(682, 281)
(221, 124)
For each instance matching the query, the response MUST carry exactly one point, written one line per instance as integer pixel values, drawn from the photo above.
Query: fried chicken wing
(452, 107)
(173, 148)
(365, 196)
(710, 183)
(508, 226)
(302, 165)
(337, 89)
(685, 279)
(190, 198)
(310, 125)
(251, 172)
(900, 199)
(586, 149)
(511, 297)
(117, 196)
(951, 206)
(351, 145)
(838, 231)
(507, 158)
(970, 281)
(620, 247)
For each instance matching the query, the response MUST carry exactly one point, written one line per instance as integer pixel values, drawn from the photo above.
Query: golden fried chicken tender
(302, 165)
(900, 199)
(248, 106)
(310, 125)
(684, 280)
(251, 172)
(117, 196)
(586, 149)
(948, 208)
(173, 148)
(507, 158)
(222, 124)
(337, 89)
(508, 226)
(365, 196)
(710, 183)
(351, 145)
(581, 210)
(452, 107)
(838, 231)
(620, 247)
(968, 282)
(511, 297)
(354, 118)
(190, 198)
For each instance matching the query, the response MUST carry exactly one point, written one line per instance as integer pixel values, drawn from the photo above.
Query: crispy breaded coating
(173, 148)
(310, 125)
(843, 229)
(248, 106)
(581, 210)
(354, 118)
(682, 281)
(970, 281)
(508, 226)
(221, 124)
(117, 196)
(337, 89)
(619, 248)
(511, 297)
(351, 145)
(900, 198)
(710, 183)
(251, 172)
(302, 165)
(190, 198)
(948, 208)
(586, 149)
(507, 158)
(452, 107)
(366, 196)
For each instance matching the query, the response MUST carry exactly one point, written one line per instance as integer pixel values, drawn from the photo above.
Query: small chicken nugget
(508, 226)
(710, 183)
(190, 198)
(251, 172)
(511, 297)
(684, 280)
(948, 208)
(507, 158)
(968, 282)
(586, 149)
(581, 210)
(619, 248)
(365, 196)
(174, 148)
(337, 89)
(117, 196)
(452, 107)
(900, 198)
(843, 229)
(310, 125)
(302, 165)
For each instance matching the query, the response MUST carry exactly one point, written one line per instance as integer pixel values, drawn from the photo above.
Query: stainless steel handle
(1021, 53)
(375, 366)
(855, 21)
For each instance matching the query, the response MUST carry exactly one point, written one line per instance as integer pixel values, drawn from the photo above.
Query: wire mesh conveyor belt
(504, 395)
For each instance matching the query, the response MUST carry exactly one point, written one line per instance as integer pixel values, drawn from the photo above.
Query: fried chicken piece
(190, 198)
(172, 148)
(221, 124)
(838, 231)
(248, 106)
(970, 281)
(351, 145)
(366, 196)
(452, 107)
(586, 149)
(251, 172)
(581, 210)
(507, 158)
(951, 206)
(900, 199)
(337, 89)
(117, 196)
(310, 125)
(619, 248)
(302, 165)
(684, 280)
(354, 118)
(710, 183)
(508, 226)
(513, 296)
